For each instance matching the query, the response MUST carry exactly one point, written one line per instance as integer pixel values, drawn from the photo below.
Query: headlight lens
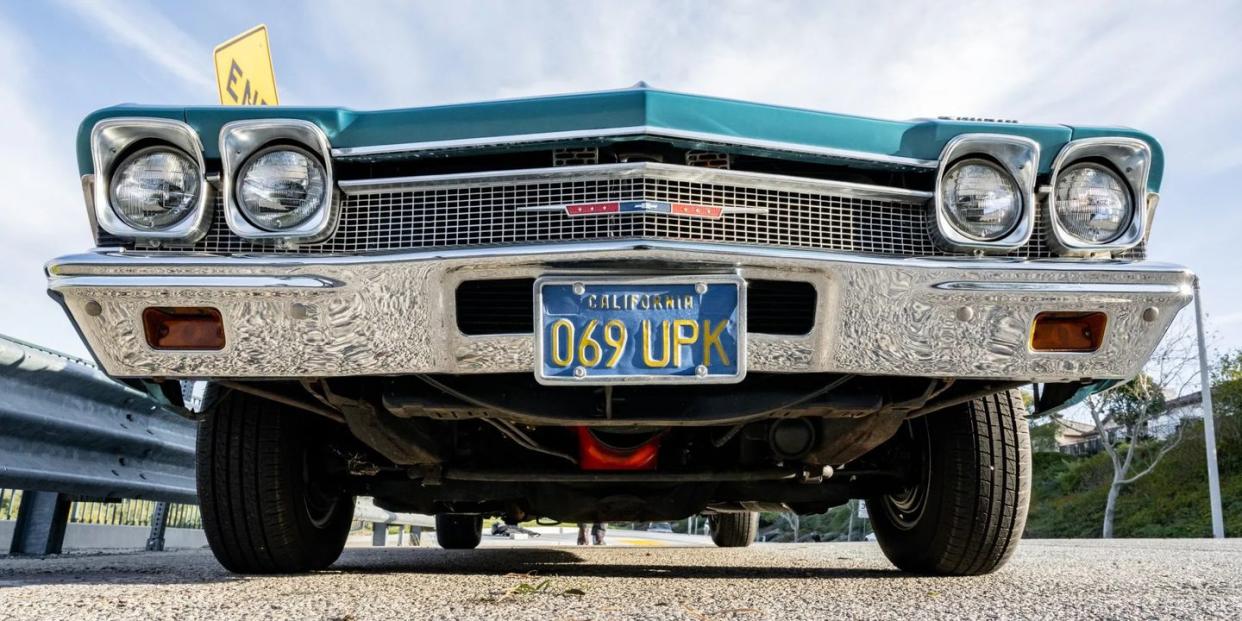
(981, 200)
(1092, 203)
(281, 188)
(155, 188)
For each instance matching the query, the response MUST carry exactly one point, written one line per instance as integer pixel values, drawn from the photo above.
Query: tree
(1227, 384)
(1044, 434)
(793, 520)
(1121, 415)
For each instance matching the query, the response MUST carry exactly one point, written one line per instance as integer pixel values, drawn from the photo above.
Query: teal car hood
(913, 140)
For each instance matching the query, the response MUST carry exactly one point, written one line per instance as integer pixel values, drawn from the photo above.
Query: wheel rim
(905, 508)
(319, 500)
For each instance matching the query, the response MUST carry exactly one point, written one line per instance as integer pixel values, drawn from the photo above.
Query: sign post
(244, 73)
(1209, 424)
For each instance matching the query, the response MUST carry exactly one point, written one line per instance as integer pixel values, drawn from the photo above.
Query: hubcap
(905, 508)
(319, 499)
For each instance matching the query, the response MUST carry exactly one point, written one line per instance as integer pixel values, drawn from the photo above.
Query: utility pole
(1209, 423)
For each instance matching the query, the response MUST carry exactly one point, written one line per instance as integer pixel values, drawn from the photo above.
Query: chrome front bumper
(394, 314)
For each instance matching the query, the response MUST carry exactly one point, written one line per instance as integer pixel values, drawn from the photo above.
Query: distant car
(660, 527)
(631, 305)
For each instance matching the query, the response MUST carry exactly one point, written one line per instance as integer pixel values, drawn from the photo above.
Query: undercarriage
(508, 447)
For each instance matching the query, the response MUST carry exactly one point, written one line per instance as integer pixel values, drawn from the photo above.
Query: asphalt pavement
(1048, 579)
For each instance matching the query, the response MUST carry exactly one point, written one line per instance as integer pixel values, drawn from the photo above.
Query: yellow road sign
(244, 72)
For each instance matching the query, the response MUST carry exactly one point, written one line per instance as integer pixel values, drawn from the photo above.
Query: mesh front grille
(458, 217)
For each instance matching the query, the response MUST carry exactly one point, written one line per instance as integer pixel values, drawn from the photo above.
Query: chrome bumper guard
(393, 314)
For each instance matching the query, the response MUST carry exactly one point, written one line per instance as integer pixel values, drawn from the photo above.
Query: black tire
(264, 508)
(967, 513)
(459, 531)
(733, 530)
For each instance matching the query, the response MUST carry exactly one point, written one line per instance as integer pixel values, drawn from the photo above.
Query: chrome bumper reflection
(394, 314)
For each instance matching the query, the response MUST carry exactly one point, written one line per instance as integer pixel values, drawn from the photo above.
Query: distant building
(1083, 439)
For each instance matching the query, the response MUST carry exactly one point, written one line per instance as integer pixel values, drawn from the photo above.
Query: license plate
(683, 330)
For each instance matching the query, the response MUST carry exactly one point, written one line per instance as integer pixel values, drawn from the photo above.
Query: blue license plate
(691, 330)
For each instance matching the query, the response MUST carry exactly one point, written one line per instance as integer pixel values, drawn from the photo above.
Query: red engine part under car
(595, 454)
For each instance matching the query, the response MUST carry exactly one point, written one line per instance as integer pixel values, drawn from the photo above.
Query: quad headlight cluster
(150, 181)
(986, 201)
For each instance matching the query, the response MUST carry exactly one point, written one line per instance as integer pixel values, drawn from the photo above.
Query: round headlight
(981, 200)
(281, 187)
(1092, 203)
(155, 188)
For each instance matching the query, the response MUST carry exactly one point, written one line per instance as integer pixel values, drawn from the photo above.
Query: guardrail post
(159, 523)
(379, 535)
(41, 522)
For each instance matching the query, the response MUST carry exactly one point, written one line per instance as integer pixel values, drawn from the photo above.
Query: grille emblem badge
(678, 209)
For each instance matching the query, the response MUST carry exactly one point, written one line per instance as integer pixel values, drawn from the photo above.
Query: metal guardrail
(380, 519)
(366, 511)
(67, 432)
(71, 437)
(67, 427)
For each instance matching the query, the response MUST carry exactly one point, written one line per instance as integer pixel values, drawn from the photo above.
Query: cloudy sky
(1160, 67)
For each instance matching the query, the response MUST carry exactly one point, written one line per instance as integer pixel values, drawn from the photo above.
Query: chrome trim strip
(637, 130)
(105, 258)
(1044, 287)
(205, 282)
(1132, 158)
(672, 172)
(240, 140)
(1153, 201)
(111, 140)
(88, 194)
(1020, 157)
(723, 209)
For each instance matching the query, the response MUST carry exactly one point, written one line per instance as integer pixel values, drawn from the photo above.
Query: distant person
(598, 530)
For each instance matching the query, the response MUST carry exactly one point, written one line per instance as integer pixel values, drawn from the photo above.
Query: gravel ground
(1130, 579)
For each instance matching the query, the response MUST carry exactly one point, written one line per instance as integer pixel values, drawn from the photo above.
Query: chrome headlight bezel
(113, 141)
(242, 140)
(1130, 158)
(1014, 155)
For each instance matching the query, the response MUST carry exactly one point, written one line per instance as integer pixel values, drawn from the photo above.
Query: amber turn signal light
(183, 327)
(1068, 332)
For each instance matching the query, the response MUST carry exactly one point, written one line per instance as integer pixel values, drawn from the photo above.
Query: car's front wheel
(267, 505)
(733, 530)
(965, 512)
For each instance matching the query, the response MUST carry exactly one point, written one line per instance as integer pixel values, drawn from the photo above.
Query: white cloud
(159, 40)
(41, 209)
